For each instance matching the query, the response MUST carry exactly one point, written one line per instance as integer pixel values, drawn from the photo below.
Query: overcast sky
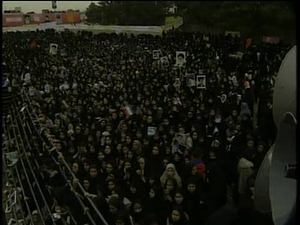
(37, 6)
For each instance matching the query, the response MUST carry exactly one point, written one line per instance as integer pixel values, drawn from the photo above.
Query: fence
(153, 30)
(136, 30)
(25, 152)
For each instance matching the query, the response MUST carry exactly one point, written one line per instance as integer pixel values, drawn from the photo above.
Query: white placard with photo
(31, 91)
(63, 52)
(164, 61)
(11, 201)
(11, 158)
(27, 19)
(190, 80)
(180, 58)
(151, 131)
(239, 55)
(53, 49)
(155, 54)
(201, 81)
(248, 76)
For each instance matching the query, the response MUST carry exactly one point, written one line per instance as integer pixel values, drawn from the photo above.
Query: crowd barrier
(153, 30)
(22, 136)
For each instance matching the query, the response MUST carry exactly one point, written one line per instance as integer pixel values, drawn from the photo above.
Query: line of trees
(252, 16)
(128, 12)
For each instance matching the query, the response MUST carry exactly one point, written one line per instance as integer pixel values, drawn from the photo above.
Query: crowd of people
(148, 148)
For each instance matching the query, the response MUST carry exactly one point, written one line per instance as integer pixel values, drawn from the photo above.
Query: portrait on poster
(201, 81)
(164, 61)
(190, 80)
(53, 49)
(155, 54)
(180, 58)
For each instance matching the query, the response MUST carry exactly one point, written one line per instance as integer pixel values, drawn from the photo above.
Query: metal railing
(62, 162)
(16, 139)
(29, 130)
(13, 182)
(19, 127)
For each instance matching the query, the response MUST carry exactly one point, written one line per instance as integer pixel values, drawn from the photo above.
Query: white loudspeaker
(285, 90)
(283, 186)
(262, 193)
(275, 188)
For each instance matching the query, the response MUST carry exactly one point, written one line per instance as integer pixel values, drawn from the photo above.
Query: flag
(248, 42)
(33, 45)
(127, 111)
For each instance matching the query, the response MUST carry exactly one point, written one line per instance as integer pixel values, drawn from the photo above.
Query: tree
(129, 12)
(249, 17)
(93, 13)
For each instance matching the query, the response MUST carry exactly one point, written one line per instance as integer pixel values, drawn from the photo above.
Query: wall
(19, 19)
(12, 19)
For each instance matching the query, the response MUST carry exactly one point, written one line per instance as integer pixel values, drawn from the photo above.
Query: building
(17, 18)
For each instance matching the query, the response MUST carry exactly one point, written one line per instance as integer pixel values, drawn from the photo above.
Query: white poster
(164, 61)
(180, 58)
(14, 19)
(11, 158)
(53, 49)
(151, 131)
(11, 201)
(166, 87)
(128, 111)
(239, 55)
(27, 19)
(36, 19)
(201, 81)
(31, 91)
(155, 54)
(58, 18)
(49, 25)
(63, 52)
(190, 80)
(248, 76)
(47, 18)
(205, 38)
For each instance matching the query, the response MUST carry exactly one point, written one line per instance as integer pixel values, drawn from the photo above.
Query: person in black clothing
(177, 217)
(216, 183)
(247, 214)
(227, 214)
(259, 155)
(103, 96)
